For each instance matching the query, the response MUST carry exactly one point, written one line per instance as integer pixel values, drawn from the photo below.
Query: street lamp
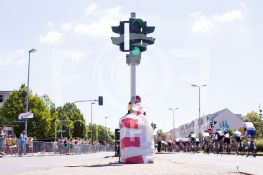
(199, 86)
(91, 122)
(173, 109)
(28, 73)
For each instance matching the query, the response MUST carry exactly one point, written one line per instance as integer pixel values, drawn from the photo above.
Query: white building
(224, 118)
(3, 96)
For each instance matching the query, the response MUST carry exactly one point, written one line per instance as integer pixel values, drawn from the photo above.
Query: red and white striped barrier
(136, 139)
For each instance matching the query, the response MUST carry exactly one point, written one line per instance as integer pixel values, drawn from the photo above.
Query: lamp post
(173, 109)
(199, 86)
(28, 74)
(91, 132)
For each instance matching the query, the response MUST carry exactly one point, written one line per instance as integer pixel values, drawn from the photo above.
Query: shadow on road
(96, 165)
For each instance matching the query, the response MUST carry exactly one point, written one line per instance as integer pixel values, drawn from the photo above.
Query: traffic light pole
(133, 72)
(133, 82)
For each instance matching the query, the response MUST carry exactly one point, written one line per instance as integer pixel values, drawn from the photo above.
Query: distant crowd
(26, 145)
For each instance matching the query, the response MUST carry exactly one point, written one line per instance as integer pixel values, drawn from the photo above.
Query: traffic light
(117, 134)
(100, 100)
(138, 36)
(211, 124)
(119, 40)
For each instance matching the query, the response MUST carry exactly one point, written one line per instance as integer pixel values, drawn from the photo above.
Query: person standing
(30, 145)
(22, 143)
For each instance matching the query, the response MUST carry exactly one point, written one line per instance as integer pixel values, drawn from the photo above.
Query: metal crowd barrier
(45, 148)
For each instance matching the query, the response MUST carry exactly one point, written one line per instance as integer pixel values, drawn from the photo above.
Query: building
(223, 119)
(3, 96)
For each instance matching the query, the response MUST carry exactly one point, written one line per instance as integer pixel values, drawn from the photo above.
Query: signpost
(25, 115)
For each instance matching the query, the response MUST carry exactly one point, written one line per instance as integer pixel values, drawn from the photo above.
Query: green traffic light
(137, 25)
(136, 51)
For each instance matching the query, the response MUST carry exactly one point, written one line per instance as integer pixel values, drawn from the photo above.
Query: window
(1, 98)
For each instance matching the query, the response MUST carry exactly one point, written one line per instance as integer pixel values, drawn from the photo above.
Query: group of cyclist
(220, 141)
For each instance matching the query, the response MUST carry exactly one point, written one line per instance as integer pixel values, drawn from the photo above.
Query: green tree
(100, 133)
(75, 122)
(55, 122)
(15, 104)
(256, 120)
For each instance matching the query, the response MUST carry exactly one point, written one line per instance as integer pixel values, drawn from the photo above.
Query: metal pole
(61, 134)
(91, 123)
(133, 83)
(173, 109)
(173, 125)
(133, 73)
(28, 73)
(55, 131)
(199, 110)
(106, 129)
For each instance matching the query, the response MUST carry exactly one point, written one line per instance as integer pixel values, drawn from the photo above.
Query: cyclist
(207, 139)
(249, 129)
(219, 135)
(227, 140)
(238, 140)
(250, 132)
(192, 141)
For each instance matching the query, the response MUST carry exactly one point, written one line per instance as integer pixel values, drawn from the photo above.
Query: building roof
(214, 115)
(5, 92)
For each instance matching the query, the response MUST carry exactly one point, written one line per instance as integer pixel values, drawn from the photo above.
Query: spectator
(22, 143)
(30, 145)
(14, 146)
(8, 144)
(1, 143)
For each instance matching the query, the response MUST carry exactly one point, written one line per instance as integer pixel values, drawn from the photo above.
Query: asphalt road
(217, 163)
(102, 163)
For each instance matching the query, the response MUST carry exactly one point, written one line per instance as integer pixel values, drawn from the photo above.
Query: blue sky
(218, 43)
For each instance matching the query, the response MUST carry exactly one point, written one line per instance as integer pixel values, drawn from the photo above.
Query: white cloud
(203, 26)
(91, 9)
(67, 25)
(101, 27)
(52, 37)
(229, 16)
(206, 25)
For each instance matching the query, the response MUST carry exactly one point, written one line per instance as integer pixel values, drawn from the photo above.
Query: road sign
(25, 115)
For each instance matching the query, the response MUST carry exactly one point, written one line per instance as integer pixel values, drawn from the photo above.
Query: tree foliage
(74, 120)
(15, 104)
(46, 123)
(100, 133)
